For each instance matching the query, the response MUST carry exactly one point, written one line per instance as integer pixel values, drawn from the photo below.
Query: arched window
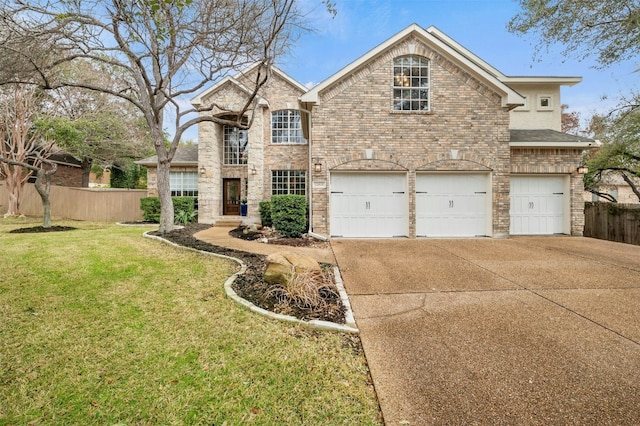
(411, 83)
(286, 127)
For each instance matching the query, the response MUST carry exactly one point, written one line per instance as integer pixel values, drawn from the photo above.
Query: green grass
(101, 326)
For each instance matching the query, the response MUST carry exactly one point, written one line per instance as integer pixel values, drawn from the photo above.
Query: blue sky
(479, 25)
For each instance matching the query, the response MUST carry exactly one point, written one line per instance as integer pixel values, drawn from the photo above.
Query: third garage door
(452, 204)
(538, 205)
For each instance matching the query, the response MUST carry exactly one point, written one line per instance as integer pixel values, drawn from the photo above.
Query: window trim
(423, 62)
(181, 192)
(545, 108)
(289, 189)
(288, 129)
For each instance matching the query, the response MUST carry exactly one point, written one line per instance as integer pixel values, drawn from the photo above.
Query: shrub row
(183, 209)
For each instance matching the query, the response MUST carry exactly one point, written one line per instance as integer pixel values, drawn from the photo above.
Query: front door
(231, 197)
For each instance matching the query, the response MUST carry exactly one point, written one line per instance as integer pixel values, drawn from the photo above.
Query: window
(286, 127)
(288, 182)
(545, 103)
(183, 184)
(235, 146)
(411, 84)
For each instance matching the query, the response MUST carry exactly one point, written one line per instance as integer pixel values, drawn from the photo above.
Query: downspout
(310, 180)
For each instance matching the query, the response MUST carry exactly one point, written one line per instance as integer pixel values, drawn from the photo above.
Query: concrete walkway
(219, 235)
(524, 331)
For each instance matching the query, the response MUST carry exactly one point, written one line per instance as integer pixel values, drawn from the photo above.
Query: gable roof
(545, 138)
(184, 156)
(197, 100)
(439, 42)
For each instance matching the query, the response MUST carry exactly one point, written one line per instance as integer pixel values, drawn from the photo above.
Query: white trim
(439, 42)
(551, 144)
(197, 100)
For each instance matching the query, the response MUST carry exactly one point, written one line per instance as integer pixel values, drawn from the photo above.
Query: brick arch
(444, 162)
(364, 164)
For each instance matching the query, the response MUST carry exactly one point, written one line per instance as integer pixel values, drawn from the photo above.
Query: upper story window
(286, 127)
(545, 102)
(234, 145)
(411, 83)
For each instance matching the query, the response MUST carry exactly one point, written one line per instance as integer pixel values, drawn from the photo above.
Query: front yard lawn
(99, 325)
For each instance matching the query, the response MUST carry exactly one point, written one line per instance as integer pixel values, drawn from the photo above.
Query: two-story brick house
(418, 137)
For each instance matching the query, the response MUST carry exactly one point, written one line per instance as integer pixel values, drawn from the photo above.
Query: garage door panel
(368, 205)
(537, 205)
(451, 205)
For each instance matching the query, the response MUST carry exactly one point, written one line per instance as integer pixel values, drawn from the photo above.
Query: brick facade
(353, 127)
(473, 122)
(262, 155)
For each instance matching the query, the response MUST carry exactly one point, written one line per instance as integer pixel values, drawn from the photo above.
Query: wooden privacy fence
(90, 204)
(613, 222)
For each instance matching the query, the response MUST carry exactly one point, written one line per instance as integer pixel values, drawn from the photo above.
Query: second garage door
(369, 205)
(452, 205)
(538, 205)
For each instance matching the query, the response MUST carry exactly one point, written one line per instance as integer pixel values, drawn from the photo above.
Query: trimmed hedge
(150, 207)
(289, 214)
(265, 213)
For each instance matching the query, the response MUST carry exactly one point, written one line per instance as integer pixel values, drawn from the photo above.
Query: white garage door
(369, 205)
(452, 205)
(538, 205)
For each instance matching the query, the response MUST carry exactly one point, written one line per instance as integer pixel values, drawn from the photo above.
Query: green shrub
(265, 213)
(289, 214)
(150, 207)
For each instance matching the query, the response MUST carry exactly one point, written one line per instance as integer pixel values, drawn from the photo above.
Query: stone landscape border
(348, 327)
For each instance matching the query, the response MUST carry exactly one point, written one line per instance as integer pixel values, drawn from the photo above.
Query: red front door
(231, 197)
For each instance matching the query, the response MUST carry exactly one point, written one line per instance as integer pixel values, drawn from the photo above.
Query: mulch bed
(39, 229)
(251, 286)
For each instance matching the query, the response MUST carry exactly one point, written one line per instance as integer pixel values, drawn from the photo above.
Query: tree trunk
(43, 186)
(15, 192)
(164, 193)
(86, 171)
(15, 182)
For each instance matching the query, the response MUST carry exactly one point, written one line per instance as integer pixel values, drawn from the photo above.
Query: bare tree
(166, 50)
(19, 143)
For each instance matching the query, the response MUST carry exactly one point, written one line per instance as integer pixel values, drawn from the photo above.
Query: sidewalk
(219, 236)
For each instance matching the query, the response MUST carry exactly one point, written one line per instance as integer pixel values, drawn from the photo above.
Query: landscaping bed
(252, 287)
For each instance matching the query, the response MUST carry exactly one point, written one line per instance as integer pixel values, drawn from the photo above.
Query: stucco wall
(532, 116)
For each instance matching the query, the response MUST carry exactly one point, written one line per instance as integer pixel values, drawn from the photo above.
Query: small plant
(184, 217)
(243, 201)
(306, 290)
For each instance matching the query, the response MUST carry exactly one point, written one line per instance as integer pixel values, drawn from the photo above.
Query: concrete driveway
(528, 331)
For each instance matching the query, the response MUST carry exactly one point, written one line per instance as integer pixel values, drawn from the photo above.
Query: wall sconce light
(203, 171)
(253, 170)
(317, 165)
(582, 169)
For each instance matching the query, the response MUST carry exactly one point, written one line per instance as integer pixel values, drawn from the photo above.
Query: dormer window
(411, 83)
